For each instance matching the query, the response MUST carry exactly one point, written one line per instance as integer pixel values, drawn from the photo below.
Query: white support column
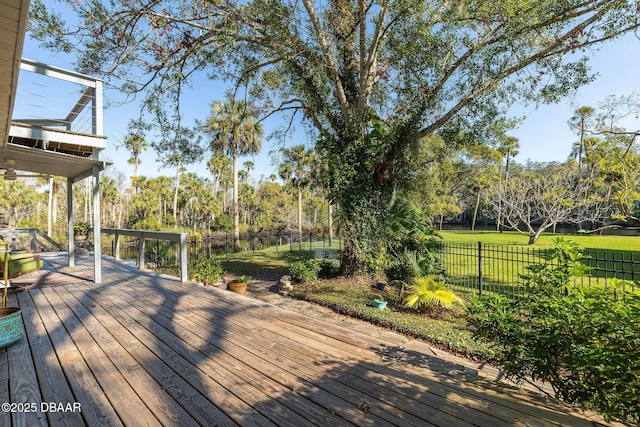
(184, 276)
(116, 246)
(97, 121)
(97, 237)
(70, 240)
(141, 243)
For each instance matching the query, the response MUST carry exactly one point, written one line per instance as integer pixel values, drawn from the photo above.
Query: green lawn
(595, 242)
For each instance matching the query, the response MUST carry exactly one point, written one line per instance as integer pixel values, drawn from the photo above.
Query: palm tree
(295, 170)
(579, 120)
(135, 144)
(509, 147)
(235, 130)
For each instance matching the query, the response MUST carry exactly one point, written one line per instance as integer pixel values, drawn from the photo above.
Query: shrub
(328, 268)
(304, 271)
(207, 269)
(585, 342)
(430, 291)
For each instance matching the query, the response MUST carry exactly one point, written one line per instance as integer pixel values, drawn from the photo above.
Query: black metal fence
(479, 268)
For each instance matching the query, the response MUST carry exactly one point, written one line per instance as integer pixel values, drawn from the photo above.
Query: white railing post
(141, 251)
(71, 240)
(116, 249)
(184, 276)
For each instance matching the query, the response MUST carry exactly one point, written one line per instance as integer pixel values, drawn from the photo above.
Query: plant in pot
(380, 303)
(10, 317)
(81, 230)
(239, 284)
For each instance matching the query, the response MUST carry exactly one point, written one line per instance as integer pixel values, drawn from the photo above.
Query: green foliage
(224, 223)
(304, 271)
(328, 268)
(412, 243)
(585, 342)
(81, 228)
(430, 291)
(241, 279)
(206, 269)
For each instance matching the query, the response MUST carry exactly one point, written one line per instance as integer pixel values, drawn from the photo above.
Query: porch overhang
(50, 162)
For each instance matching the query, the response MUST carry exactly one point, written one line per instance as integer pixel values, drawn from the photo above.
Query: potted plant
(239, 284)
(81, 230)
(10, 317)
(380, 303)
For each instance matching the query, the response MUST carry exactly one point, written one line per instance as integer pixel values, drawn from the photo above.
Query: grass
(354, 297)
(591, 242)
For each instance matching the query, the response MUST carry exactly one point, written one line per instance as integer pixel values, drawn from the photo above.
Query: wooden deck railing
(142, 236)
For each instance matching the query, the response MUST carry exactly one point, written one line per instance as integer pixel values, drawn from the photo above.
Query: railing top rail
(59, 73)
(145, 234)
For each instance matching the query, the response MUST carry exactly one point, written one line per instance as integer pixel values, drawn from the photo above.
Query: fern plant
(430, 291)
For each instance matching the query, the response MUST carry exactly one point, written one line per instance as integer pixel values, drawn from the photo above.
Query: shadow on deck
(144, 349)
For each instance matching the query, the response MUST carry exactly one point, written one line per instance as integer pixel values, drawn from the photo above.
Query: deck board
(144, 349)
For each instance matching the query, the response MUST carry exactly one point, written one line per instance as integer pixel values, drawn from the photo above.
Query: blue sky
(544, 135)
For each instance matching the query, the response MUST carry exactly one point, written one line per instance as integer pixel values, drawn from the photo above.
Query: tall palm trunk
(475, 211)
(299, 210)
(50, 209)
(175, 195)
(330, 221)
(236, 213)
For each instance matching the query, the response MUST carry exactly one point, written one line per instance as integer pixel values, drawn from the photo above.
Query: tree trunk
(236, 216)
(50, 209)
(475, 212)
(330, 222)
(56, 189)
(175, 195)
(299, 211)
(532, 239)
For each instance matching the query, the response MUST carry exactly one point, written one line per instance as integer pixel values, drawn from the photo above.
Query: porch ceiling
(48, 162)
(13, 21)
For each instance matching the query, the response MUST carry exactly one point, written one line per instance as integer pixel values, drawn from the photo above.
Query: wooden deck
(144, 349)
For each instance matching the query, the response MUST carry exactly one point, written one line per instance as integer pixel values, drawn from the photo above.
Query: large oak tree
(371, 76)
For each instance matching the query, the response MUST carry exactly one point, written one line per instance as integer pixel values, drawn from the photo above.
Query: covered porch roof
(39, 143)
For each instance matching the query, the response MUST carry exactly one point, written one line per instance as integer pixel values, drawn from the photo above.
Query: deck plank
(23, 384)
(96, 408)
(173, 385)
(526, 408)
(165, 409)
(229, 350)
(230, 372)
(5, 417)
(290, 367)
(183, 371)
(53, 384)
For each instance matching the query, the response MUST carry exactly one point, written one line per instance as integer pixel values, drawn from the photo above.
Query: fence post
(310, 242)
(290, 241)
(480, 269)
(277, 241)
(226, 251)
